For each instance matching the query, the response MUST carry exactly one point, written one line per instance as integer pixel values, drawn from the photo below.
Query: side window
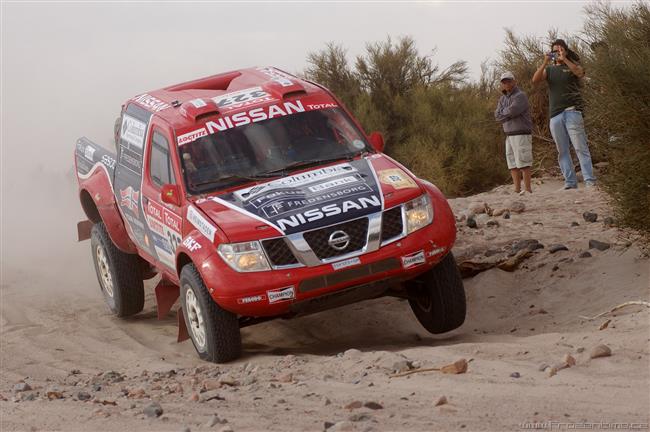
(160, 165)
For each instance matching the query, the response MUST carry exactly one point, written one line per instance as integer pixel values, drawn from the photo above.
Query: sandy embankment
(58, 337)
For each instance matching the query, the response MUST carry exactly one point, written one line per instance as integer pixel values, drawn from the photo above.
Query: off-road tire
(222, 336)
(126, 296)
(437, 298)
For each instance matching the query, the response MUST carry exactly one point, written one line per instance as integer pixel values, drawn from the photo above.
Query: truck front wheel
(214, 331)
(119, 274)
(437, 298)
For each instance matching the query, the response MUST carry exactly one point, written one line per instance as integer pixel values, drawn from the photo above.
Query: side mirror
(377, 141)
(171, 194)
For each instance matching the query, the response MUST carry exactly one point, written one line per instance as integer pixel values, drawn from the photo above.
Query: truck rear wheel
(214, 331)
(119, 274)
(437, 298)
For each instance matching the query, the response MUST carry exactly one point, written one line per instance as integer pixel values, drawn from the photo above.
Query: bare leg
(516, 179)
(526, 174)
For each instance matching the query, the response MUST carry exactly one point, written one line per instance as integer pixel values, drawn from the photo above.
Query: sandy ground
(306, 374)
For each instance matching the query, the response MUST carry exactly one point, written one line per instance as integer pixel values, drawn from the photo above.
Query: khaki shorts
(519, 151)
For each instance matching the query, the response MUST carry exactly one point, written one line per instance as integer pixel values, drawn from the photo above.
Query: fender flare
(101, 206)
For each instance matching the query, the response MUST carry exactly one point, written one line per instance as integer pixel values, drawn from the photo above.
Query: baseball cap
(507, 75)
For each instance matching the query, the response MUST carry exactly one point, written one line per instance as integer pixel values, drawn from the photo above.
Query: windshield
(269, 148)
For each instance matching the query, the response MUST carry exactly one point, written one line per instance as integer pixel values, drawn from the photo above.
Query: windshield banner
(311, 199)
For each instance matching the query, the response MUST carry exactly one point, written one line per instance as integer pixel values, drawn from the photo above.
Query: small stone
(137, 393)
(83, 396)
(515, 375)
(97, 387)
(569, 360)
(228, 380)
(373, 405)
(580, 350)
(608, 221)
(54, 394)
(551, 371)
(358, 417)
(585, 254)
(600, 351)
(590, 217)
(574, 224)
(226, 428)
(153, 410)
(457, 367)
(352, 353)
(342, 426)
(543, 367)
(506, 215)
(476, 208)
(517, 207)
(559, 366)
(210, 384)
(498, 212)
(285, 378)
(492, 223)
(442, 400)
(326, 402)
(21, 387)
(248, 380)
(194, 397)
(401, 366)
(482, 219)
(601, 246)
(604, 325)
(556, 248)
(215, 420)
(327, 425)
(354, 405)
(471, 222)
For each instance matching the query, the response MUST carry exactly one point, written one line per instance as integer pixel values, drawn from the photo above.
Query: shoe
(524, 193)
(590, 185)
(567, 187)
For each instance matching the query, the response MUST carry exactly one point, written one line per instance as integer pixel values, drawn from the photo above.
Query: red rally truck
(255, 194)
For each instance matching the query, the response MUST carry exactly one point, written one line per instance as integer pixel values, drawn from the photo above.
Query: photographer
(562, 72)
(514, 114)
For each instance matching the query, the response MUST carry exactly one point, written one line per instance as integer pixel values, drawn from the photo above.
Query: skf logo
(130, 199)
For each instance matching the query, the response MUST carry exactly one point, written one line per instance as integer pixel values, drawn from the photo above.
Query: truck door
(128, 173)
(163, 221)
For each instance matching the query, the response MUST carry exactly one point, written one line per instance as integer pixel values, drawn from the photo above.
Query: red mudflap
(166, 296)
(83, 230)
(182, 329)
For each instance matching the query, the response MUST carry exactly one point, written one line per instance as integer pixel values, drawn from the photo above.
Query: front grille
(391, 223)
(278, 252)
(318, 239)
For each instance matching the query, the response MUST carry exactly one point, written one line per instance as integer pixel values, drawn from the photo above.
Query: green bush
(617, 43)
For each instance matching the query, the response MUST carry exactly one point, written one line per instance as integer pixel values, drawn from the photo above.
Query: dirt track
(54, 322)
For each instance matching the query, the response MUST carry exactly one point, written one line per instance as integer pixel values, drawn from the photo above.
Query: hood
(311, 199)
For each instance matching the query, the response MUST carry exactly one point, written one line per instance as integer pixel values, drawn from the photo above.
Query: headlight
(244, 257)
(419, 213)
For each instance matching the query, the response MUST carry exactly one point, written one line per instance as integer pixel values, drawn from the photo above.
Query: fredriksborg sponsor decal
(312, 199)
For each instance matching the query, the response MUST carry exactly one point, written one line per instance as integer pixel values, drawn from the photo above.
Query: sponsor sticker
(191, 136)
(413, 260)
(346, 263)
(108, 161)
(133, 131)
(281, 294)
(89, 151)
(241, 98)
(151, 102)
(198, 103)
(333, 183)
(436, 251)
(397, 178)
(191, 244)
(129, 199)
(201, 223)
(251, 299)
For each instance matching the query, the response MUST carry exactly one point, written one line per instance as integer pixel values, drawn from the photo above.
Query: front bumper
(308, 289)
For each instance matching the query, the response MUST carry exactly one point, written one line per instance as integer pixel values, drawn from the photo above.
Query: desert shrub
(433, 121)
(617, 44)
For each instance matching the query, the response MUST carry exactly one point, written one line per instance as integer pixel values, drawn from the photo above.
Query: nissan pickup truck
(253, 195)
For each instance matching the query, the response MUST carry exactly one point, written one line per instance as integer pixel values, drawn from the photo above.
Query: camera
(553, 56)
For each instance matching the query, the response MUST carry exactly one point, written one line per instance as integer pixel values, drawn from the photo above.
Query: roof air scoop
(196, 108)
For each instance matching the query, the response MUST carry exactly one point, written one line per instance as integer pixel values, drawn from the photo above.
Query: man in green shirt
(562, 71)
